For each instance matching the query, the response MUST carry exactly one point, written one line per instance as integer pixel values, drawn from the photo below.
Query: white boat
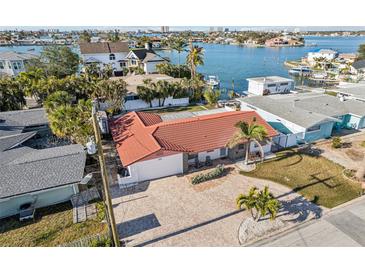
(302, 70)
(213, 81)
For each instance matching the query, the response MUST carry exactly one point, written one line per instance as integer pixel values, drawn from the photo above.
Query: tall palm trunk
(179, 63)
(247, 150)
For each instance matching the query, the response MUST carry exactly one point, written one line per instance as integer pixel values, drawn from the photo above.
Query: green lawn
(315, 177)
(178, 109)
(52, 226)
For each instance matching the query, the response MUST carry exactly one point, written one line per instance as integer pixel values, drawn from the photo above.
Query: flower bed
(202, 177)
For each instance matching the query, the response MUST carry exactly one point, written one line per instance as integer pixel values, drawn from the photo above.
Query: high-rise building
(220, 29)
(165, 29)
(211, 29)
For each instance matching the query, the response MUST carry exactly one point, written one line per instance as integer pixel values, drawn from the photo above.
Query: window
(17, 65)
(123, 64)
(284, 84)
(314, 128)
(112, 56)
(271, 85)
(241, 146)
(223, 151)
(209, 151)
(2, 65)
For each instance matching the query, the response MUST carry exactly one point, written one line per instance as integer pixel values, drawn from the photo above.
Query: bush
(104, 242)
(362, 144)
(336, 142)
(202, 177)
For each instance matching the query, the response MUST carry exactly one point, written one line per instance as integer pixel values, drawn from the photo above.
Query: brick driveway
(172, 212)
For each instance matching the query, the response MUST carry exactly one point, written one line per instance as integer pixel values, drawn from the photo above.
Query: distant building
(211, 29)
(269, 85)
(165, 29)
(220, 29)
(226, 30)
(106, 53)
(12, 63)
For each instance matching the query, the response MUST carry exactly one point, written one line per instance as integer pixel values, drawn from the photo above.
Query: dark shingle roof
(33, 170)
(7, 142)
(103, 47)
(146, 55)
(29, 117)
(359, 64)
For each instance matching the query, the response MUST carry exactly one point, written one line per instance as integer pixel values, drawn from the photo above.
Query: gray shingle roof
(287, 110)
(103, 47)
(32, 170)
(27, 117)
(7, 142)
(359, 64)
(330, 105)
(16, 56)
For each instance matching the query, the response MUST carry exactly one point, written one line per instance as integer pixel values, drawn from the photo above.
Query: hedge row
(202, 177)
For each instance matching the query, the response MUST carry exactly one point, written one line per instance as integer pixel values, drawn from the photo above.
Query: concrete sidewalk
(342, 226)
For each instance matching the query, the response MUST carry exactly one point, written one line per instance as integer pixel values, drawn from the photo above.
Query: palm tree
(147, 92)
(179, 45)
(267, 204)
(194, 58)
(249, 201)
(112, 91)
(212, 96)
(262, 201)
(248, 133)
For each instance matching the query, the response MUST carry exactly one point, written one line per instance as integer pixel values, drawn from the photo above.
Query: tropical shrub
(202, 177)
(336, 142)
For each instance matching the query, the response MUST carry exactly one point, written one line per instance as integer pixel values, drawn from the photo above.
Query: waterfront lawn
(52, 226)
(190, 108)
(315, 177)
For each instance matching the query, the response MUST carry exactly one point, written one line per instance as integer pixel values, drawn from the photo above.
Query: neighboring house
(327, 54)
(351, 91)
(305, 125)
(308, 116)
(359, 66)
(144, 58)
(32, 170)
(151, 148)
(132, 100)
(106, 53)
(269, 85)
(12, 63)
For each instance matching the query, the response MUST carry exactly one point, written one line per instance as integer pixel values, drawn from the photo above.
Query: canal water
(235, 63)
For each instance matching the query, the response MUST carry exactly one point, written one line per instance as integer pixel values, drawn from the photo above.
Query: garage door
(160, 167)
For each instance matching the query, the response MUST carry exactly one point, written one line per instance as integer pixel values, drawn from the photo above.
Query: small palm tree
(267, 204)
(195, 58)
(249, 201)
(263, 202)
(247, 133)
(212, 96)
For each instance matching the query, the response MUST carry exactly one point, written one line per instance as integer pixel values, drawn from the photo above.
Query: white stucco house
(269, 85)
(132, 100)
(327, 54)
(12, 63)
(150, 147)
(106, 53)
(145, 58)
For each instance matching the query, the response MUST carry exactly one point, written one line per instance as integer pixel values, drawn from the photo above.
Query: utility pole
(105, 178)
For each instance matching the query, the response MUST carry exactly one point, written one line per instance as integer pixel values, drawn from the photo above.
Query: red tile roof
(140, 136)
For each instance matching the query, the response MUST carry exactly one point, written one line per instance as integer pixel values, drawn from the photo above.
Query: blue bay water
(230, 62)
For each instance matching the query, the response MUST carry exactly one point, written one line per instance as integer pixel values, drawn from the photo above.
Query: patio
(173, 212)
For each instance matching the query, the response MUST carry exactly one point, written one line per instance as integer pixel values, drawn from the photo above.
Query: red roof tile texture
(141, 136)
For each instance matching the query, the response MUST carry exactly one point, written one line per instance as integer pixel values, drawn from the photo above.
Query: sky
(194, 28)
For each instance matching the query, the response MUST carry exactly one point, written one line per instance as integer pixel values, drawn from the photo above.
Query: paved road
(344, 226)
